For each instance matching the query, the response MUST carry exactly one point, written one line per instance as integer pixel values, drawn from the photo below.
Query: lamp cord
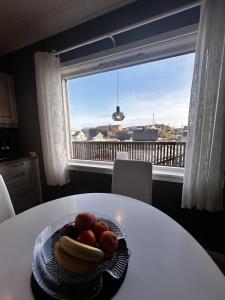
(117, 86)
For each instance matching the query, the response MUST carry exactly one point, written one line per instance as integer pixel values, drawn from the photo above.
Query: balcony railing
(158, 153)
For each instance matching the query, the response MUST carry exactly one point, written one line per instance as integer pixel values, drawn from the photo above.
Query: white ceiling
(23, 22)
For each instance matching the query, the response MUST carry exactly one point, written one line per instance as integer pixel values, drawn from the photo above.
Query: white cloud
(168, 108)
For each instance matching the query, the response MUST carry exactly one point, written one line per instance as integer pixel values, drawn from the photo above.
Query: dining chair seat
(6, 207)
(133, 178)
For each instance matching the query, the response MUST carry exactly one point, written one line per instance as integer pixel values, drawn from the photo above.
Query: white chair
(133, 178)
(6, 207)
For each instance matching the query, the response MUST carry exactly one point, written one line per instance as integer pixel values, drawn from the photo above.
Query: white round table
(165, 263)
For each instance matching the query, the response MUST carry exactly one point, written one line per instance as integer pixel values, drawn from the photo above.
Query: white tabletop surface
(166, 262)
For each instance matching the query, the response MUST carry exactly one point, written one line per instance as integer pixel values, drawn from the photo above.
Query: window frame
(170, 44)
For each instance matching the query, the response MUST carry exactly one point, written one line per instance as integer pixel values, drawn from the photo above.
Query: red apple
(108, 242)
(70, 230)
(85, 220)
(99, 228)
(87, 237)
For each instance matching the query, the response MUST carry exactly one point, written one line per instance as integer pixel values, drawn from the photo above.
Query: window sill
(160, 173)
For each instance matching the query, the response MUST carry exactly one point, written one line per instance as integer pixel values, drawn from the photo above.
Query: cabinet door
(8, 114)
(22, 179)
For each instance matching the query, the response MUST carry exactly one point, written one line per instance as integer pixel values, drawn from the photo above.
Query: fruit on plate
(72, 264)
(87, 237)
(84, 243)
(99, 228)
(85, 221)
(80, 250)
(70, 230)
(108, 242)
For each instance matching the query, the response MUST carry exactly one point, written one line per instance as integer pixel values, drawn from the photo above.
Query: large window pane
(154, 97)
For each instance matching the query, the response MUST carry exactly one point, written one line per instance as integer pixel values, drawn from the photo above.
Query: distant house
(105, 133)
(145, 135)
(124, 136)
(80, 136)
(99, 137)
(91, 133)
(113, 128)
(116, 128)
(178, 132)
(184, 134)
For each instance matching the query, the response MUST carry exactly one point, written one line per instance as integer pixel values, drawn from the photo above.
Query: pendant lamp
(117, 115)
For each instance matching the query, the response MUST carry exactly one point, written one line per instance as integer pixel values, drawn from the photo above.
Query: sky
(161, 87)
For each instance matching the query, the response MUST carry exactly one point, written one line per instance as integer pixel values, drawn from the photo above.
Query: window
(154, 95)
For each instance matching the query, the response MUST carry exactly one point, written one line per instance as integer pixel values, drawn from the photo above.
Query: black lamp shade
(118, 115)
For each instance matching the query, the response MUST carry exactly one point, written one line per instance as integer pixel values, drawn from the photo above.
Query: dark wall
(206, 227)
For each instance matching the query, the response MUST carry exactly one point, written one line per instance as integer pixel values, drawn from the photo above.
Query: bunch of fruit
(84, 243)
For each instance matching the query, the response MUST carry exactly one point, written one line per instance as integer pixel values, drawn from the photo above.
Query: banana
(79, 250)
(71, 263)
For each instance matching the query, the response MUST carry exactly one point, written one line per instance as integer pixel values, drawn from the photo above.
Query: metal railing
(158, 153)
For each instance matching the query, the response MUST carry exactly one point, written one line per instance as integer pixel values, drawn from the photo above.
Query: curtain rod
(130, 27)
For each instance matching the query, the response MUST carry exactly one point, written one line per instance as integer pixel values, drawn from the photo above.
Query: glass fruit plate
(62, 284)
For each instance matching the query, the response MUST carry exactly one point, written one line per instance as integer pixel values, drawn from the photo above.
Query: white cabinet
(8, 113)
(22, 179)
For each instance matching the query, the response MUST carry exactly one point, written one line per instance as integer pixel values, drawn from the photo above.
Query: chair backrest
(133, 178)
(6, 207)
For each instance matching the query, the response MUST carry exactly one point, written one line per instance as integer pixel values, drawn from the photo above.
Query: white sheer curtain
(205, 156)
(52, 118)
